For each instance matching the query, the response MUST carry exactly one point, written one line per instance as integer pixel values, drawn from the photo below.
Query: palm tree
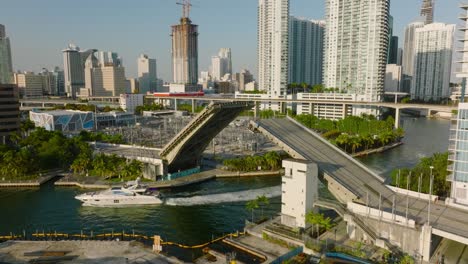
(251, 206)
(263, 201)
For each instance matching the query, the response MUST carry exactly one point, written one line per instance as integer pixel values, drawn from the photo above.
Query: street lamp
(430, 197)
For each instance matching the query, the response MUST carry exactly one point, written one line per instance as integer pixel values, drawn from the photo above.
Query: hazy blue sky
(39, 30)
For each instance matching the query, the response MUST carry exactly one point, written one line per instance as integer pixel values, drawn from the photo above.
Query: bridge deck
(360, 181)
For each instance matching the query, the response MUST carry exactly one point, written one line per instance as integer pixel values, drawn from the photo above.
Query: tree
(263, 201)
(251, 206)
(319, 220)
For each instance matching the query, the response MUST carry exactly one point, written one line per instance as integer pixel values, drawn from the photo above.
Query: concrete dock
(85, 252)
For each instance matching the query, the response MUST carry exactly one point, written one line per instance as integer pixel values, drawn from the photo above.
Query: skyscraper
(356, 46)
(73, 70)
(408, 54)
(6, 66)
(393, 51)
(273, 52)
(147, 74)
(427, 11)
(306, 50)
(221, 64)
(432, 62)
(216, 68)
(226, 54)
(185, 49)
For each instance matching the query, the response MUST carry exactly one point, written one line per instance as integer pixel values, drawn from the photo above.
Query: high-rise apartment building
(408, 55)
(306, 50)
(462, 72)
(147, 74)
(427, 11)
(273, 44)
(9, 111)
(6, 65)
(356, 46)
(458, 150)
(432, 62)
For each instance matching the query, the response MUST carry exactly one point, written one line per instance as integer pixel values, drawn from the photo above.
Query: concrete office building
(299, 192)
(129, 102)
(305, 50)
(393, 78)
(109, 58)
(356, 46)
(408, 55)
(432, 62)
(102, 80)
(52, 81)
(9, 111)
(29, 84)
(185, 54)
(147, 74)
(329, 110)
(6, 65)
(242, 79)
(273, 44)
(133, 86)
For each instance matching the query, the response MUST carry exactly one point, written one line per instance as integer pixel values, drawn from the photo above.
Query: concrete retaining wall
(380, 215)
(413, 193)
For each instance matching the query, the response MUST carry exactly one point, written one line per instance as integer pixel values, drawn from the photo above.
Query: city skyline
(149, 31)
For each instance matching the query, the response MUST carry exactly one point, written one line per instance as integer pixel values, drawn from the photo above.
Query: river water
(193, 214)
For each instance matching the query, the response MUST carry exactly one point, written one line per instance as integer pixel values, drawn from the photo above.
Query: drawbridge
(185, 149)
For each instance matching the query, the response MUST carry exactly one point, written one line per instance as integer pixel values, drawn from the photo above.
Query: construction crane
(186, 5)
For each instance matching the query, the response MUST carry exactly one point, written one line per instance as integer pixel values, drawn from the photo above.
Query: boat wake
(241, 196)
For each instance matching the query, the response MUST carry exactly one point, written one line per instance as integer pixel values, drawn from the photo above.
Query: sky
(40, 30)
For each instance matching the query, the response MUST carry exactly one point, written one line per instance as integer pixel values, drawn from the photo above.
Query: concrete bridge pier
(345, 110)
(397, 117)
(256, 109)
(193, 105)
(175, 104)
(425, 241)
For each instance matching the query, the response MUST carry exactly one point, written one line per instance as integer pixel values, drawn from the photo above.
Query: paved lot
(86, 252)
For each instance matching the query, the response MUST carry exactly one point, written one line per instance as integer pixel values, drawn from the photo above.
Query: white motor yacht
(131, 193)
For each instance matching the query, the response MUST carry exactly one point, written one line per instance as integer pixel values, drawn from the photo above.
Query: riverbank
(377, 150)
(180, 182)
(44, 178)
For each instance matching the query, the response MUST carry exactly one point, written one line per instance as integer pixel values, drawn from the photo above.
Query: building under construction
(185, 51)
